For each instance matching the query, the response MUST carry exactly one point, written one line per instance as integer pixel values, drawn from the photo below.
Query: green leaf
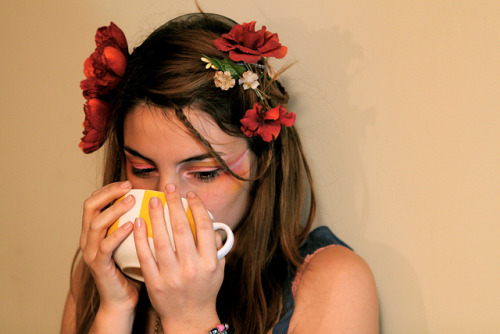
(224, 65)
(236, 70)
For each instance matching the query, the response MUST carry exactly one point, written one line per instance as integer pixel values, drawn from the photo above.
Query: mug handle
(229, 239)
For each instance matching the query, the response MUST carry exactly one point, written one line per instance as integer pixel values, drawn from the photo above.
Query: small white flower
(224, 80)
(249, 80)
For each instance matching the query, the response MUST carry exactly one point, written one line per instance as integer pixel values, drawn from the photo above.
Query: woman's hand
(118, 295)
(182, 285)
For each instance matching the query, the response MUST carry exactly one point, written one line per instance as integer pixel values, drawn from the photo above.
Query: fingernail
(125, 185)
(154, 201)
(127, 199)
(190, 195)
(170, 188)
(128, 226)
(138, 222)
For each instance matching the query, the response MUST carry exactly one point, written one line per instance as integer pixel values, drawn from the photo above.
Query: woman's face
(160, 150)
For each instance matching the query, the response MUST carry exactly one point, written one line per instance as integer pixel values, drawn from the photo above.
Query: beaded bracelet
(220, 329)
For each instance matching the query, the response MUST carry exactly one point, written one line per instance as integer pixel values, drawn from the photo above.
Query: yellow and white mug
(125, 255)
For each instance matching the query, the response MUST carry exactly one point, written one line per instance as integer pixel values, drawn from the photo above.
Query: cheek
(227, 200)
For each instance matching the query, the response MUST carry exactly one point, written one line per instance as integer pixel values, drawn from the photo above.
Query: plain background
(398, 107)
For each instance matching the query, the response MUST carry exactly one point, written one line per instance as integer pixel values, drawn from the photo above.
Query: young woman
(197, 112)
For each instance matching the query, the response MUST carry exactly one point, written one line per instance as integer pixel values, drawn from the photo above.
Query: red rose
(267, 124)
(97, 117)
(111, 36)
(106, 65)
(246, 44)
(103, 69)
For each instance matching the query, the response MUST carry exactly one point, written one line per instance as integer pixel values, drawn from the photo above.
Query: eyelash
(205, 176)
(142, 172)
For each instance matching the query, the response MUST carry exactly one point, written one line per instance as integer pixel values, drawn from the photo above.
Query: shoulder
(336, 293)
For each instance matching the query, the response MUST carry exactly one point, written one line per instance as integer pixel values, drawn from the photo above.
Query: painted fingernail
(170, 188)
(154, 201)
(190, 195)
(125, 185)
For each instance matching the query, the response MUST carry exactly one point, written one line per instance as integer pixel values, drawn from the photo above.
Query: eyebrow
(199, 157)
(136, 154)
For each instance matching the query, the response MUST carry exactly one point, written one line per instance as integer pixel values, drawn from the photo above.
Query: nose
(172, 178)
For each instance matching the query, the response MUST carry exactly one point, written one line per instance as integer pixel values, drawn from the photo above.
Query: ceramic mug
(125, 255)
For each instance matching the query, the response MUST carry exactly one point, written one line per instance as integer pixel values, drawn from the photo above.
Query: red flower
(267, 124)
(97, 117)
(111, 36)
(106, 65)
(246, 44)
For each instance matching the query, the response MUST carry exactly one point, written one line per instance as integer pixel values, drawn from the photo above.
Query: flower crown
(246, 47)
(105, 67)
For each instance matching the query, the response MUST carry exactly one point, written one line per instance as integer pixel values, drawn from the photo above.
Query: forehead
(148, 127)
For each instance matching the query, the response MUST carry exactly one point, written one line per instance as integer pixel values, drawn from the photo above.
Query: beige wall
(398, 105)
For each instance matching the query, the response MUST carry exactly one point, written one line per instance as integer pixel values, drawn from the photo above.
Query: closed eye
(142, 172)
(207, 176)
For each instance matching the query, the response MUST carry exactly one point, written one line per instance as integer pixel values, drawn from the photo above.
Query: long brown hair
(166, 71)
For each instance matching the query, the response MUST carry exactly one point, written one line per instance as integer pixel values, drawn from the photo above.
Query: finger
(98, 201)
(218, 240)
(100, 224)
(205, 234)
(182, 235)
(218, 243)
(109, 244)
(163, 246)
(147, 261)
(102, 197)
